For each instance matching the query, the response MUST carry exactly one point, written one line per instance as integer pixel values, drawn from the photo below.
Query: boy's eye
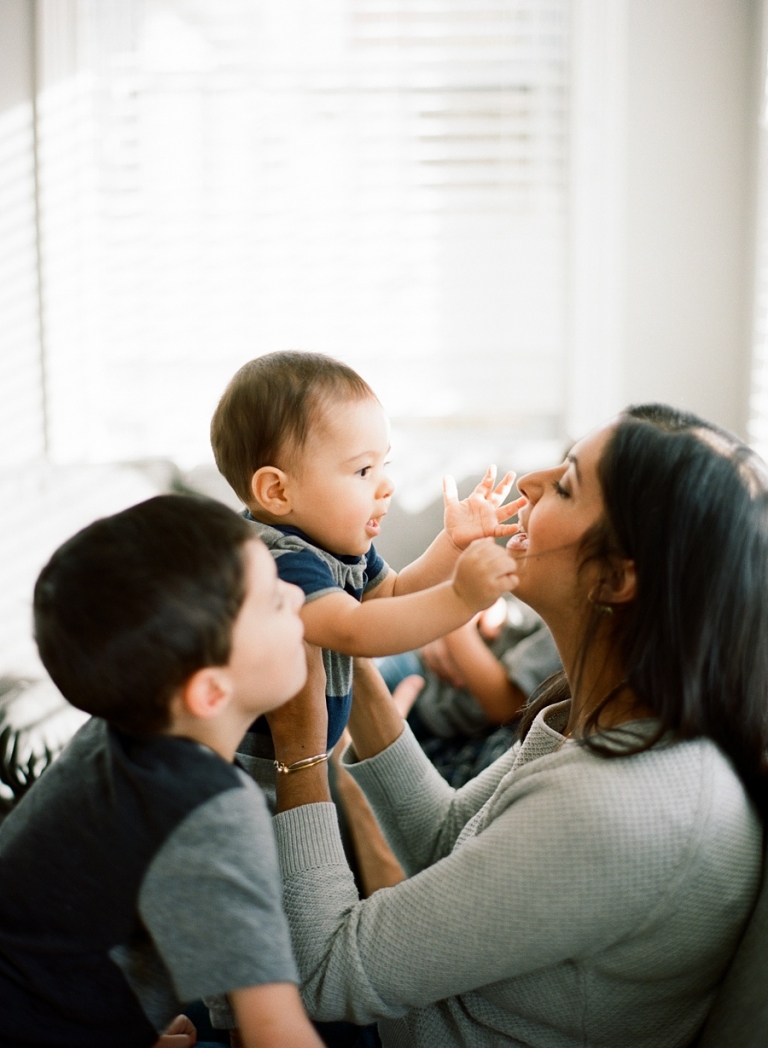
(364, 471)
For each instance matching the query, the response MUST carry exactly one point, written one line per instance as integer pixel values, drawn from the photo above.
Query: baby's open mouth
(518, 542)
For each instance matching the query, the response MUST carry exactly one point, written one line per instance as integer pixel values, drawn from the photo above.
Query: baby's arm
(480, 515)
(385, 627)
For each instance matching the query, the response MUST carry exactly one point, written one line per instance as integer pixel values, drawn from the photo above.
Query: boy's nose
(385, 488)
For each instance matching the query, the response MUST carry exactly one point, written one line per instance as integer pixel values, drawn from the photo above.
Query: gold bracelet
(306, 762)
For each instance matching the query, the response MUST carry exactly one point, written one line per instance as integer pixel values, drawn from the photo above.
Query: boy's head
(134, 605)
(303, 441)
(271, 410)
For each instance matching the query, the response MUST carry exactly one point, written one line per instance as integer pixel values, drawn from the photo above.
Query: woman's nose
(530, 485)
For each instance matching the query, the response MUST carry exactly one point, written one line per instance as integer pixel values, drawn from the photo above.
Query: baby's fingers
(503, 488)
(511, 508)
(505, 530)
(450, 491)
(485, 487)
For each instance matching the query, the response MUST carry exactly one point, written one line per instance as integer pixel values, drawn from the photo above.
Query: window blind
(382, 181)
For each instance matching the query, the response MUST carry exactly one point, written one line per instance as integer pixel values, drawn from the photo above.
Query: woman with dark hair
(590, 887)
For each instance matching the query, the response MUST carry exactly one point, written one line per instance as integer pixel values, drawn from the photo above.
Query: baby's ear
(270, 490)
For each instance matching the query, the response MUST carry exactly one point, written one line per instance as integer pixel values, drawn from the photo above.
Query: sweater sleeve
(419, 813)
(567, 864)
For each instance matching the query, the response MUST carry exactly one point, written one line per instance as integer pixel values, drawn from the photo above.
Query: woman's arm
(300, 730)
(517, 895)
(272, 1016)
(401, 772)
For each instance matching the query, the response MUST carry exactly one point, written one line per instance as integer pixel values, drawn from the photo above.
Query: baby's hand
(483, 572)
(480, 515)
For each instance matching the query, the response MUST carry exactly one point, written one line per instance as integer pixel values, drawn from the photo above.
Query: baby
(304, 442)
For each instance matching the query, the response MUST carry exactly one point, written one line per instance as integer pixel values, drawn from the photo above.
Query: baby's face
(339, 487)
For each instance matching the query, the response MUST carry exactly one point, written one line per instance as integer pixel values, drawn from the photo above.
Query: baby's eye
(364, 471)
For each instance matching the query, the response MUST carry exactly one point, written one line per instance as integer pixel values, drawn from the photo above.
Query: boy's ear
(269, 486)
(206, 692)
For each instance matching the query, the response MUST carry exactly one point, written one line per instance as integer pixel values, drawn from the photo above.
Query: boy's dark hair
(269, 407)
(133, 605)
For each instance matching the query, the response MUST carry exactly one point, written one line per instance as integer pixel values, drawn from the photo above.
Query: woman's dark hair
(688, 503)
(134, 604)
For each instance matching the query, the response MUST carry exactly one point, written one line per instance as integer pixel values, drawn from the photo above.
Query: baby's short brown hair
(269, 407)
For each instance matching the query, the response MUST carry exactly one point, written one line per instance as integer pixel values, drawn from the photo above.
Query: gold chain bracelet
(306, 762)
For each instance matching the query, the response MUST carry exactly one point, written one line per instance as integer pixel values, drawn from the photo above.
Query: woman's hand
(181, 1033)
(480, 515)
(300, 730)
(300, 727)
(375, 721)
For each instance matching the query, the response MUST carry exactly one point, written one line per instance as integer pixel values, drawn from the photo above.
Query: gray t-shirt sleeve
(212, 899)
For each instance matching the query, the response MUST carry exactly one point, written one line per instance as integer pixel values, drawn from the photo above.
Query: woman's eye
(561, 490)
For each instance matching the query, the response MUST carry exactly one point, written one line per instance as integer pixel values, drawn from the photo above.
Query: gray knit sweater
(559, 899)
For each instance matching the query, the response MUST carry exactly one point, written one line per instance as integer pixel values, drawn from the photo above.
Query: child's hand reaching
(483, 572)
(481, 514)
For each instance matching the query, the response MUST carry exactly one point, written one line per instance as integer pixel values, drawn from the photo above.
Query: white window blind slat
(382, 181)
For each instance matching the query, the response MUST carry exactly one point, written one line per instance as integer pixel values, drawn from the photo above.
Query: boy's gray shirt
(559, 899)
(149, 852)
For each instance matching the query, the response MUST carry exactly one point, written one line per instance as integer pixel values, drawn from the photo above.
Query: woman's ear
(269, 486)
(621, 585)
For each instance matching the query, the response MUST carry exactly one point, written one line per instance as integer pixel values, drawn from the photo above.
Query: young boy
(140, 872)
(304, 442)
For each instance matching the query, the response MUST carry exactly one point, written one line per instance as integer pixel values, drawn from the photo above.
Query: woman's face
(563, 504)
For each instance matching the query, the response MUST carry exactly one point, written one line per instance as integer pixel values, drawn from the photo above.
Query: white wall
(16, 64)
(693, 82)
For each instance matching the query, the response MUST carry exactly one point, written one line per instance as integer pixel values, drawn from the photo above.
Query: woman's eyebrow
(575, 461)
